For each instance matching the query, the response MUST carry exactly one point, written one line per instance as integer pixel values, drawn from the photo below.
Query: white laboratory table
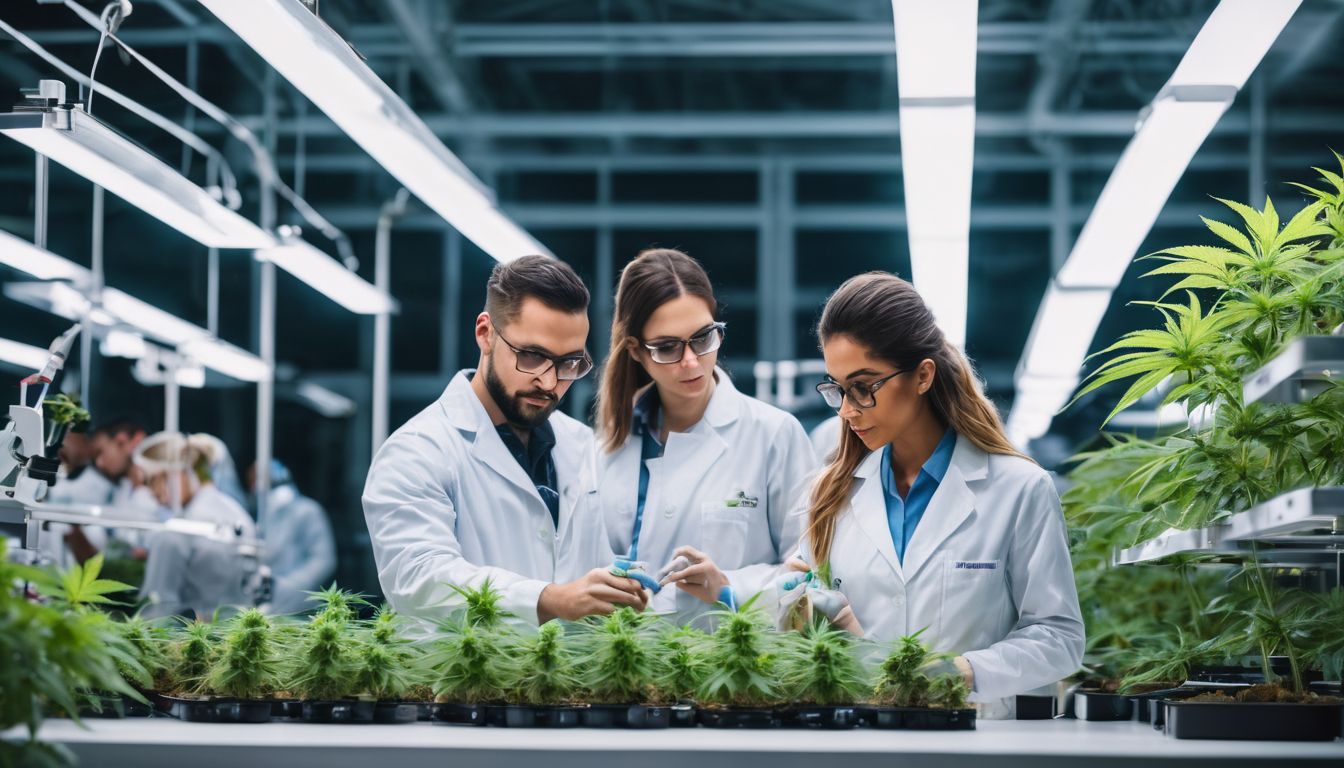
(1038, 744)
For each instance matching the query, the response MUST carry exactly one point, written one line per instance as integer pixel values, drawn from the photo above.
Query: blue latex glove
(633, 569)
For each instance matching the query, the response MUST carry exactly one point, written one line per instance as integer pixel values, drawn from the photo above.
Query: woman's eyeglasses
(668, 351)
(863, 394)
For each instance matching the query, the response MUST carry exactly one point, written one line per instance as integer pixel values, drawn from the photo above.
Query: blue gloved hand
(635, 570)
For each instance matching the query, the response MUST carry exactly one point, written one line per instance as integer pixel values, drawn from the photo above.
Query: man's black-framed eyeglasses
(667, 351)
(863, 394)
(567, 367)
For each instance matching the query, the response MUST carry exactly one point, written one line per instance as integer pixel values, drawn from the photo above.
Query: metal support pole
(1256, 164)
(40, 202)
(1061, 201)
(450, 321)
(784, 264)
(212, 292)
(382, 324)
(96, 267)
(605, 300)
(172, 425)
(266, 314)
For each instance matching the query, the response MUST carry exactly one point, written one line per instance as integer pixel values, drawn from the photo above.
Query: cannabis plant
(620, 660)
(541, 667)
(906, 678)
(65, 409)
(384, 661)
(149, 641)
(820, 665)
(682, 664)
(53, 650)
(247, 664)
(321, 667)
(336, 603)
(191, 653)
(742, 659)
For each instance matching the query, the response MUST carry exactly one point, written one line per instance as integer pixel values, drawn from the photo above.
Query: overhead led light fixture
(78, 141)
(224, 357)
(25, 356)
(1228, 48)
(328, 276)
(303, 49)
(935, 68)
(327, 403)
(40, 263)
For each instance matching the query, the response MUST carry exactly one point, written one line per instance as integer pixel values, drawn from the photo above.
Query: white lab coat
(446, 503)
(741, 446)
(89, 487)
(987, 573)
(193, 573)
(300, 548)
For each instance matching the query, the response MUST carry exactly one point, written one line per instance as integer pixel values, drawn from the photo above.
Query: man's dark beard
(512, 406)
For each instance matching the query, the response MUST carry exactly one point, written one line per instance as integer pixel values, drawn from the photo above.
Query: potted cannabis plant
(620, 671)
(465, 662)
(1245, 299)
(54, 649)
(241, 668)
(680, 671)
(385, 669)
(741, 687)
(540, 678)
(912, 691)
(822, 675)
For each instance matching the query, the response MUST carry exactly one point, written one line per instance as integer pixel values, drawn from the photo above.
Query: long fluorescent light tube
(329, 277)
(78, 141)
(1063, 330)
(935, 66)
(229, 360)
(40, 263)
(303, 49)
(25, 356)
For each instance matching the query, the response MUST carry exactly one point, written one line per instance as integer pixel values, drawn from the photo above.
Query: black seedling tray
(115, 707)
(339, 711)
(1252, 720)
(395, 712)
(458, 714)
(1035, 707)
(216, 710)
(1155, 708)
(919, 719)
(739, 718)
(1099, 706)
(626, 716)
(525, 716)
(833, 718)
(683, 716)
(424, 710)
(287, 709)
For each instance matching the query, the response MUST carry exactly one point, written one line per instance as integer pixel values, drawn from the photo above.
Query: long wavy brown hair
(884, 313)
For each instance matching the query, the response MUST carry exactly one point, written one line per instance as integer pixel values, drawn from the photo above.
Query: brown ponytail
(885, 314)
(653, 278)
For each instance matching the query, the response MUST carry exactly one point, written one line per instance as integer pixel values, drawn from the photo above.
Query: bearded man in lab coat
(491, 482)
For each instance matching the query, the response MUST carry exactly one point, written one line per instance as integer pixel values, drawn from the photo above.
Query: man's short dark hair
(120, 425)
(544, 278)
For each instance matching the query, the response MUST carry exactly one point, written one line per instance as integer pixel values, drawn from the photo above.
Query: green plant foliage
(902, 680)
(247, 664)
(742, 659)
(385, 662)
(821, 666)
(53, 651)
(542, 667)
(465, 663)
(682, 663)
(65, 409)
(192, 650)
(948, 692)
(149, 641)
(620, 662)
(336, 603)
(483, 605)
(322, 665)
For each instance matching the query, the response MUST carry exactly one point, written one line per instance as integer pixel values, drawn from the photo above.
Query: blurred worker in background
(300, 547)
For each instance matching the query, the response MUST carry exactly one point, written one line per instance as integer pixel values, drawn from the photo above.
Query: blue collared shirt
(646, 418)
(904, 514)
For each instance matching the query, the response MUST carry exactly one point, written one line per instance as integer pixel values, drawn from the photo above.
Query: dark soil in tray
(919, 719)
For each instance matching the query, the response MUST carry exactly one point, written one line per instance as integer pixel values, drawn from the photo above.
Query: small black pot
(458, 714)
(339, 711)
(683, 716)
(920, 719)
(739, 718)
(287, 709)
(816, 716)
(215, 710)
(526, 716)
(1035, 708)
(1099, 706)
(626, 716)
(424, 710)
(395, 712)
(1252, 720)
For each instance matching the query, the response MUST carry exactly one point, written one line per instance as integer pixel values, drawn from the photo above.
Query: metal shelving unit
(1299, 372)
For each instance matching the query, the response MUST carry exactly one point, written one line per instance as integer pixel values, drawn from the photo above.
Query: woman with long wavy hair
(927, 518)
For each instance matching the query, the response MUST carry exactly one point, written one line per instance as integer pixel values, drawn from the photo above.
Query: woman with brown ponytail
(927, 518)
(693, 474)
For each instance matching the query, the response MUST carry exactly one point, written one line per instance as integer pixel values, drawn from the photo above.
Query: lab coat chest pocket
(723, 532)
(973, 590)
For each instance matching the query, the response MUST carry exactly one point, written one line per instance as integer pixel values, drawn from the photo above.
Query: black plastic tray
(1256, 721)
(683, 716)
(830, 718)
(340, 711)
(458, 714)
(626, 716)
(739, 718)
(114, 707)
(216, 710)
(526, 716)
(289, 709)
(1099, 706)
(1035, 707)
(918, 719)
